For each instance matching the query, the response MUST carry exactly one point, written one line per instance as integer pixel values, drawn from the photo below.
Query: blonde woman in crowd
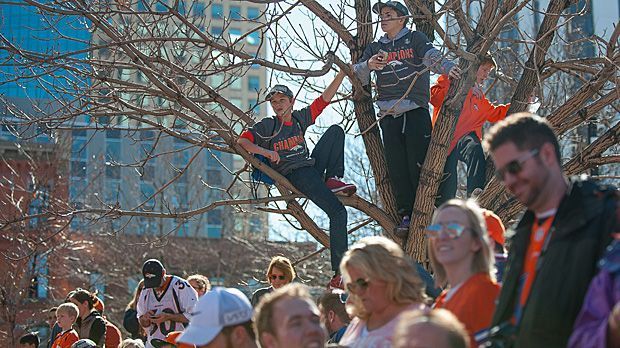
(200, 283)
(462, 257)
(382, 283)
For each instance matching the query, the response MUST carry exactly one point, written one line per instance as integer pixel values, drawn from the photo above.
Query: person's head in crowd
(51, 316)
(458, 243)
(496, 230)
(527, 159)
(379, 276)
(84, 343)
(333, 311)
(438, 328)
(280, 272)
(29, 340)
(222, 318)
(393, 16)
(200, 283)
(136, 295)
(289, 318)
(84, 300)
(66, 315)
(131, 343)
(154, 273)
(487, 64)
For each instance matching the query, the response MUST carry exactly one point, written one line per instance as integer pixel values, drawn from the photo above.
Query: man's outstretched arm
(331, 90)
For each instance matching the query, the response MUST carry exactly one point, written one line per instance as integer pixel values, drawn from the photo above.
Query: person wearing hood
(401, 60)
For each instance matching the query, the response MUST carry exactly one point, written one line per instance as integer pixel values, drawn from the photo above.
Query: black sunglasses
(359, 284)
(281, 277)
(514, 167)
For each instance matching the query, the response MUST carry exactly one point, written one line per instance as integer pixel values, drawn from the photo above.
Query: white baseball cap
(217, 309)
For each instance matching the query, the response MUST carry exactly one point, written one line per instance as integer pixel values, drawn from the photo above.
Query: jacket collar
(385, 39)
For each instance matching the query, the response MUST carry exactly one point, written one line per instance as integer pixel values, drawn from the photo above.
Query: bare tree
(156, 67)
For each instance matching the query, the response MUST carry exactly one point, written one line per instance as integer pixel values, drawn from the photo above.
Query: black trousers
(468, 150)
(405, 140)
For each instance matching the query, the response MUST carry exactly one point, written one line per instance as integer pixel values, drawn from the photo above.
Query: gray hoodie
(409, 53)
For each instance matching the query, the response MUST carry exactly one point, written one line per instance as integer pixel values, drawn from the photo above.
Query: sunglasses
(451, 230)
(359, 284)
(281, 277)
(514, 167)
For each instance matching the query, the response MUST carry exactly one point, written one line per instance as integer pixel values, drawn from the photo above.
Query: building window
(237, 102)
(140, 6)
(217, 11)
(216, 31)
(160, 6)
(113, 133)
(112, 151)
(217, 80)
(199, 9)
(253, 12)
(253, 104)
(236, 83)
(214, 217)
(112, 172)
(78, 149)
(253, 83)
(78, 169)
(38, 205)
(235, 12)
(147, 191)
(39, 271)
(256, 225)
(235, 34)
(148, 172)
(253, 38)
(214, 177)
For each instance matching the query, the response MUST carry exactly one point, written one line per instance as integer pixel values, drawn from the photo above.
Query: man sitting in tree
(281, 140)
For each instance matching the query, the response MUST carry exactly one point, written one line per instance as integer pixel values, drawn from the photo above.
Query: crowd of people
(558, 286)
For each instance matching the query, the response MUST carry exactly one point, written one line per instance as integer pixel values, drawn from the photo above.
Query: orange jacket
(473, 303)
(65, 339)
(475, 111)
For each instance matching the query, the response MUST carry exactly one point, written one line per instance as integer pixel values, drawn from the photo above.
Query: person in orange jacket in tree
(465, 145)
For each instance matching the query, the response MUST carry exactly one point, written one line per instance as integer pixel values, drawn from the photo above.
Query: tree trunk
(432, 170)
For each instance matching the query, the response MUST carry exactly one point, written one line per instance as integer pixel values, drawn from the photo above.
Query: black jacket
(92, 327)
(580, 232)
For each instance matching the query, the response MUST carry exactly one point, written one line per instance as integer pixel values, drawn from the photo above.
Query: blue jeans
(329, 156)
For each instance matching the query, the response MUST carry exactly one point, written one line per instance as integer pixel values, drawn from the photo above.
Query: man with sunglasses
(560, 238)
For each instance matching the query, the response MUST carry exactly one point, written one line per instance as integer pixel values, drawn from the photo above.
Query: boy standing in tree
(466, 144)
